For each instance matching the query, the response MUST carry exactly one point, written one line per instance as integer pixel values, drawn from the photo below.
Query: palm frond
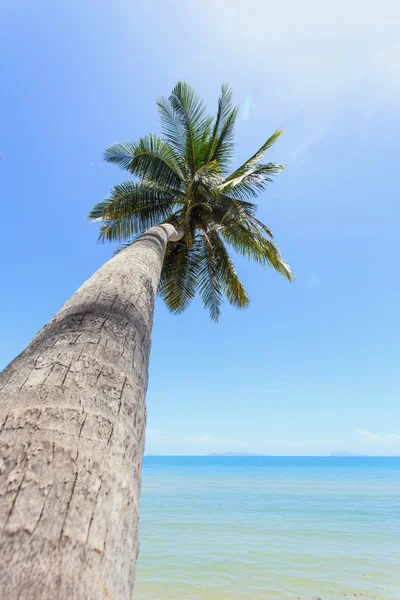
(247, 239)
(171, 127)
(260, 226)
(205, 180)
(226, 272)
(221, 141)
(250, 183)
(150, 159)
(194, 119)
(256, 158)
(132, 197)
(123, 228)
(208, 283)
(179, 276)
(96, 213)
(228, 210)
(225, 108)
(182, 179)
(174, 219)
(132, 208)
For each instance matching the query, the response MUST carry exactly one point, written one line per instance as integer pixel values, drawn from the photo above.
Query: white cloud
(368, 436)
(207, 443)
(307, 63)
(380, 444)
(309, 44)
(158, 441)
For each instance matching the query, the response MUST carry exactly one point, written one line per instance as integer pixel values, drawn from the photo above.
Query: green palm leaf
(132, 208)
(256, 158)
(193, 117)
(209, 285)
(130, 197)
(223, 150)
(226, 272)
(182, 180)
(225, 108)
(150, 159)
(221, 142)
(172, 130)
(251, 182)
(179, 276)
(249, 241)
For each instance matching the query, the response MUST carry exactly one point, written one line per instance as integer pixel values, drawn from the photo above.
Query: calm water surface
(266, 528)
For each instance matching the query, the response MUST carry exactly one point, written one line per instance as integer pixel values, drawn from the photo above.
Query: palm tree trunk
(72, 420)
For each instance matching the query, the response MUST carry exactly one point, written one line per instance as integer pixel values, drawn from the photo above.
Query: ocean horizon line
(239, 455)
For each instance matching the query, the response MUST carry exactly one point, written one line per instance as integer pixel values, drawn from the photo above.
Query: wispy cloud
(159, 441)
(389, 443)
(367, 435)
(310, 67)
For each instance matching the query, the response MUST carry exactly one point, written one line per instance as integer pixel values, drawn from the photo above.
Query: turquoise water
(265, 528)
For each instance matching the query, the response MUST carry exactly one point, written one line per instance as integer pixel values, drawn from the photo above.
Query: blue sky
(311, 367)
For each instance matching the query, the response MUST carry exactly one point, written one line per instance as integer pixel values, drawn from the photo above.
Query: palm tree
(72, 405)
(183, 179)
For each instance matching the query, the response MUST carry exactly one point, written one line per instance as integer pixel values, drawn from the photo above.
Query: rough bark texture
(72, 420)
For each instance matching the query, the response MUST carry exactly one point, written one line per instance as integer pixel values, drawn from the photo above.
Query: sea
(269, 528)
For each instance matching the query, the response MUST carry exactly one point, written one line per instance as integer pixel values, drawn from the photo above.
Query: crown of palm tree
(183, 179)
